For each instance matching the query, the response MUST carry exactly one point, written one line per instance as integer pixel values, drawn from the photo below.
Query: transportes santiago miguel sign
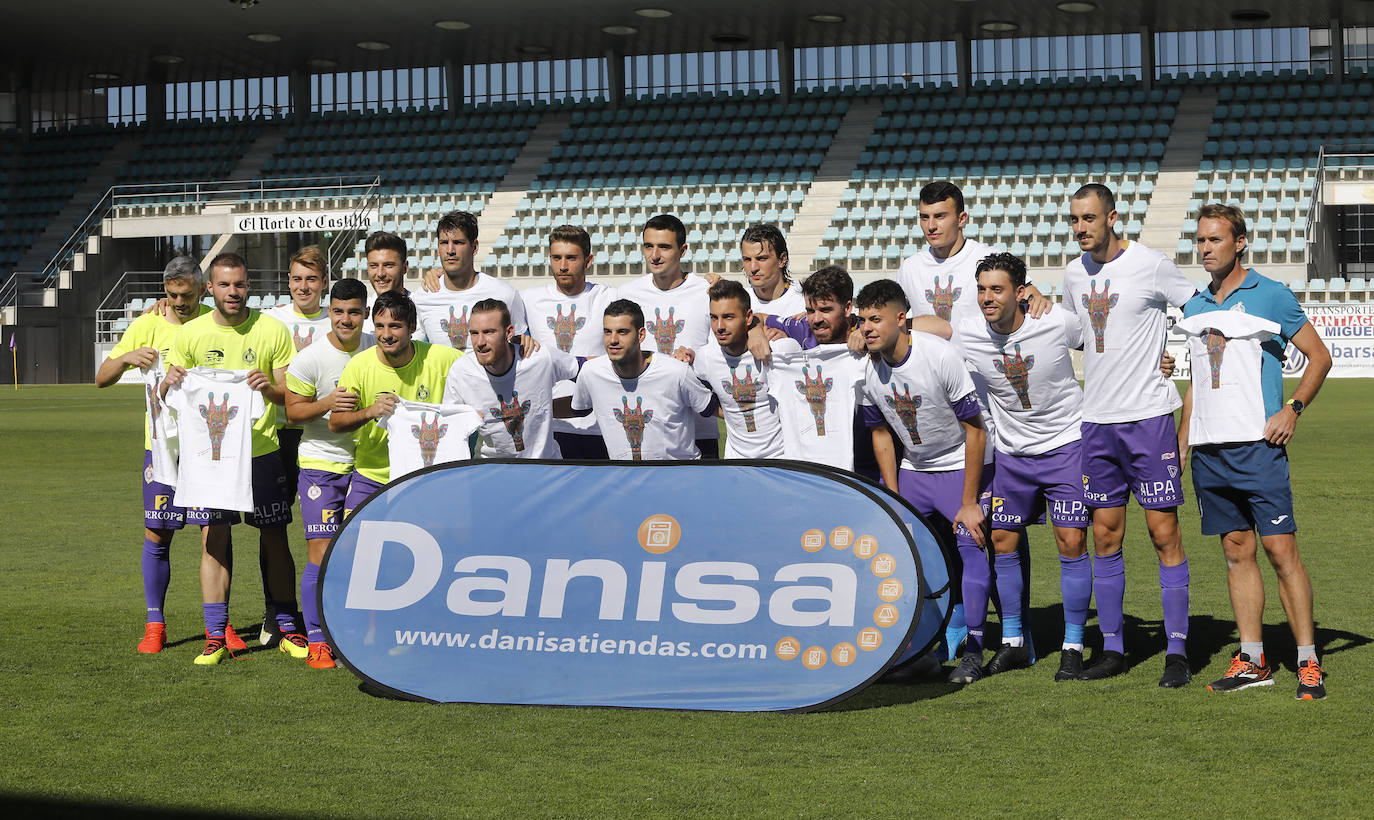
(718, 586)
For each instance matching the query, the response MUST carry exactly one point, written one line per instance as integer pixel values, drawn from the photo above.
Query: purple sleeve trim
(799, 330)
(872, 416)
(967, 407)
(711, 406)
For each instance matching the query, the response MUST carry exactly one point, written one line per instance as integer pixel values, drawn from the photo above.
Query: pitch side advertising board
(764, 586)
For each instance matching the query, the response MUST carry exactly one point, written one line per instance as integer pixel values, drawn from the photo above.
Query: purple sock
(216, 618)
(1076, 586)
(1173, 588)
(286, 619)
(977, 582)
(1109, 585)
(1009, 583)
(310, 579)
(157, 572)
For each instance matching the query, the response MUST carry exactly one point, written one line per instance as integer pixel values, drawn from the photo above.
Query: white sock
(1255, 650)
(1305, 652)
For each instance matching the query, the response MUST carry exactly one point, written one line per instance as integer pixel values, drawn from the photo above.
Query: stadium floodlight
(530, 48)
(999, 26)
(727, 38)
(263, 37)
(243, 4)
(373, 45)
(168, 59)
(1076, 7)
(322, 62)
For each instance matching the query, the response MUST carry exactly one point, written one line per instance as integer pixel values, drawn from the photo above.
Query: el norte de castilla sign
(719, 586)
(302, 222)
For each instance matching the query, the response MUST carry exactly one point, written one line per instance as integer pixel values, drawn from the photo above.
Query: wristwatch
(1297, 406)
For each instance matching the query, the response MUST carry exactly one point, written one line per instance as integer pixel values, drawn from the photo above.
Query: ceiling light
(452, 25)
(826, 18)
(1250, 15)
(168, 59)
(103, 75)
(620, 31)
(654, 14)
(373, 45)
(1076, 7)
(264, 38)
(322, 62)
(729, 39)
(999, 26)
(532, 49)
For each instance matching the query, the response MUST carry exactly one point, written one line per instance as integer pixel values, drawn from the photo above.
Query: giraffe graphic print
(457, 328)
(664, 330)
(217, 418)
(905, 407)
(634, 422)
(815, 392)
(1017, 370)
(565, 327)
(1099, 305)
(428, 433)
(1216, 351)
(512, 414)
(302, 342)
(745, 392)
(942, 299)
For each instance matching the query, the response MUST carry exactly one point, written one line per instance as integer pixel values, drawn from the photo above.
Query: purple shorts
(1133, 456)
(1025, 485)
(158, 511)
(322, 501)
(271, 501)
(360, 489)
(939, 495)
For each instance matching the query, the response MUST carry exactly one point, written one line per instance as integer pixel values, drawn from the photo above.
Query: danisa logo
(677, 596)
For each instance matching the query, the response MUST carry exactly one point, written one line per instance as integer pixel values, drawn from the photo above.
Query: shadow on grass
(36, 807)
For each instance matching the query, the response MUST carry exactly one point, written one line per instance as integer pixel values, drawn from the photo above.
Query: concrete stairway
(832, 178)
(514, 186)
(1178, 170)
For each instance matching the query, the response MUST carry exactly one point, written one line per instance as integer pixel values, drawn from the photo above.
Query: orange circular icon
(842, 538)
(659, 534)
(813, 540)
(890, 589)
(866, 546)
(870, 639)
(883, 565)
(885, 615)
(813, 657)
(787, 649)
(843, 654)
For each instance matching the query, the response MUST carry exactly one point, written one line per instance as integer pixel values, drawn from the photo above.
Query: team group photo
(810, 403)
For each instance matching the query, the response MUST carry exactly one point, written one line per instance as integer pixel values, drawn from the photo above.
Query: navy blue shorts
(1243, 487)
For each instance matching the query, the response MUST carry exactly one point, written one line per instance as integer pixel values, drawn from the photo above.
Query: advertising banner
(743, 586)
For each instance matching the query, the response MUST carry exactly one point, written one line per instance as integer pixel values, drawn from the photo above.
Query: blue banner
(683, 585)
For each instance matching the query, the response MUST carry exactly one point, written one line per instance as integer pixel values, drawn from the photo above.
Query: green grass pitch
(86, 723)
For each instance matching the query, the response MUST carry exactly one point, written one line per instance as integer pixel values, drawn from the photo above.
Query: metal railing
(345, 241)
(1322, 258)
(120, 307)
(193, 195)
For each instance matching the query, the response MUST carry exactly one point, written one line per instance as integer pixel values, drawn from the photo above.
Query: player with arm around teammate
(917, 386)
(1118, 290)
(1037, 405)
(325, 457)
(512, 392)
(1238, 426)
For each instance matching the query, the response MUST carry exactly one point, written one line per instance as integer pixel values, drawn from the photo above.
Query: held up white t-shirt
(917, 398)
(675, 318)
(215, 414)
(443, 314)
(164, 443)
(1120, 308)
(572, 324)
(1034, 394)
(517, 406)
(817, 392)
(746, 397)
(1228, 400)
(649, 418)
(421, 434)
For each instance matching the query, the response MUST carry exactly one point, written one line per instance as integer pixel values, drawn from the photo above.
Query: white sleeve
(453, 393)
(257, 405)
(910, 281)
(695, 394)
(582, 396)
(1073, 329)
(517, 313)
(564, 364)
(1171, 285)
(953, 374)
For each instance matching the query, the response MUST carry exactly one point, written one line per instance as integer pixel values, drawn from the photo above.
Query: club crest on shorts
(314, 492)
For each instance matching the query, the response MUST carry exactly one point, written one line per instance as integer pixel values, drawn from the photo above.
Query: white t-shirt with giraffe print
(443, 314)
(648, 418)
